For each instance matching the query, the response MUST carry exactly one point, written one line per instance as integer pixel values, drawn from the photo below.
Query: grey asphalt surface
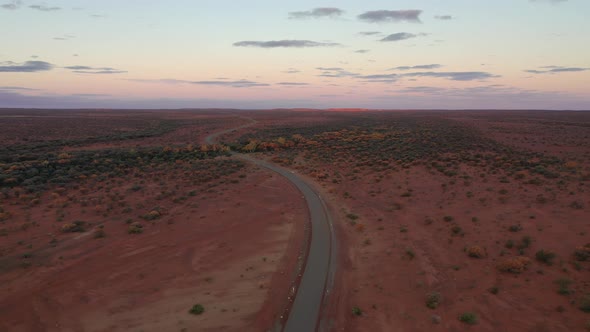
(305, 311)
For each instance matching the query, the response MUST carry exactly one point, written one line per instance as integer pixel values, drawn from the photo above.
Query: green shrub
(197, 309)
(75, 227)
(585, 303)
(433, 300)
(545, 257)
(468, 318)
(135, 229)
(563, 286)
(357, 311)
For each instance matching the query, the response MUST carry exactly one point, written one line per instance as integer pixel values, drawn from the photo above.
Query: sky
(377, 54)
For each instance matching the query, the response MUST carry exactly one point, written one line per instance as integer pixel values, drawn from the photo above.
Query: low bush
(433, 300)
(197, 309)
(544, 256)
(75, 227)
(357, 311)
(516, 264)
(468, 318)
(476, 252)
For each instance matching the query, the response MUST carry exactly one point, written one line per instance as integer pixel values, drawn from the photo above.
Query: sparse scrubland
(103, 229)
(479, 212)
(445, 221)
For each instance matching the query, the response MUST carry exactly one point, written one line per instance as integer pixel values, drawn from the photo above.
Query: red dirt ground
(232, 247)
(400, 249)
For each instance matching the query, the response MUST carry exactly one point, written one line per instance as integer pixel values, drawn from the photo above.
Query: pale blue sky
(181, 53)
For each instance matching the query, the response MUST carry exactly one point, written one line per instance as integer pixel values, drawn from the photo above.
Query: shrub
(494, 290)
(545, 257)
(468, 318)
(433, 300)
(515, 228)
(152, 215)
(135, 229)
(585, 303)
(197, 309)
(525, 242)
(476, 252)
(352, 216)
(563, 284)
(357, 311)
(448, 218)
(75, 227)
(99, 234)
(582, 254)
(513, 264)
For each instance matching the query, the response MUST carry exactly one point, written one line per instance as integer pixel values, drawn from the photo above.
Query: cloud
(88, 101)
(556, 70)
(444, 17)
(284, 43)
(317, 13)
(26, 67)
(389, 16)
(481, 97)
(44, 8)
(548, 1)
(291, 71)
(233, 84)
(380, 78)
(362, 51)
(431, 66)
(454, 76)
(65, 37)
(335, 72)
(400, 36)
(12, 5)
(94, 70)
(369, 33)
(292, 84)
(218, 82)
(17, 88)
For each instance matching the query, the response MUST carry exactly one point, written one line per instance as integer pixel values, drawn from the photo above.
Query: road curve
(304, 315)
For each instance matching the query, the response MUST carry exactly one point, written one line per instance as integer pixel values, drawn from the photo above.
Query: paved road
(305, 312)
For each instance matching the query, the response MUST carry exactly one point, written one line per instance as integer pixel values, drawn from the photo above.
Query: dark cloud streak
(391, 16)
(324, 12)
(284, 44)
(26, 67)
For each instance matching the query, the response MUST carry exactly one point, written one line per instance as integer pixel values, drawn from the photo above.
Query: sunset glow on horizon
(460, 54)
